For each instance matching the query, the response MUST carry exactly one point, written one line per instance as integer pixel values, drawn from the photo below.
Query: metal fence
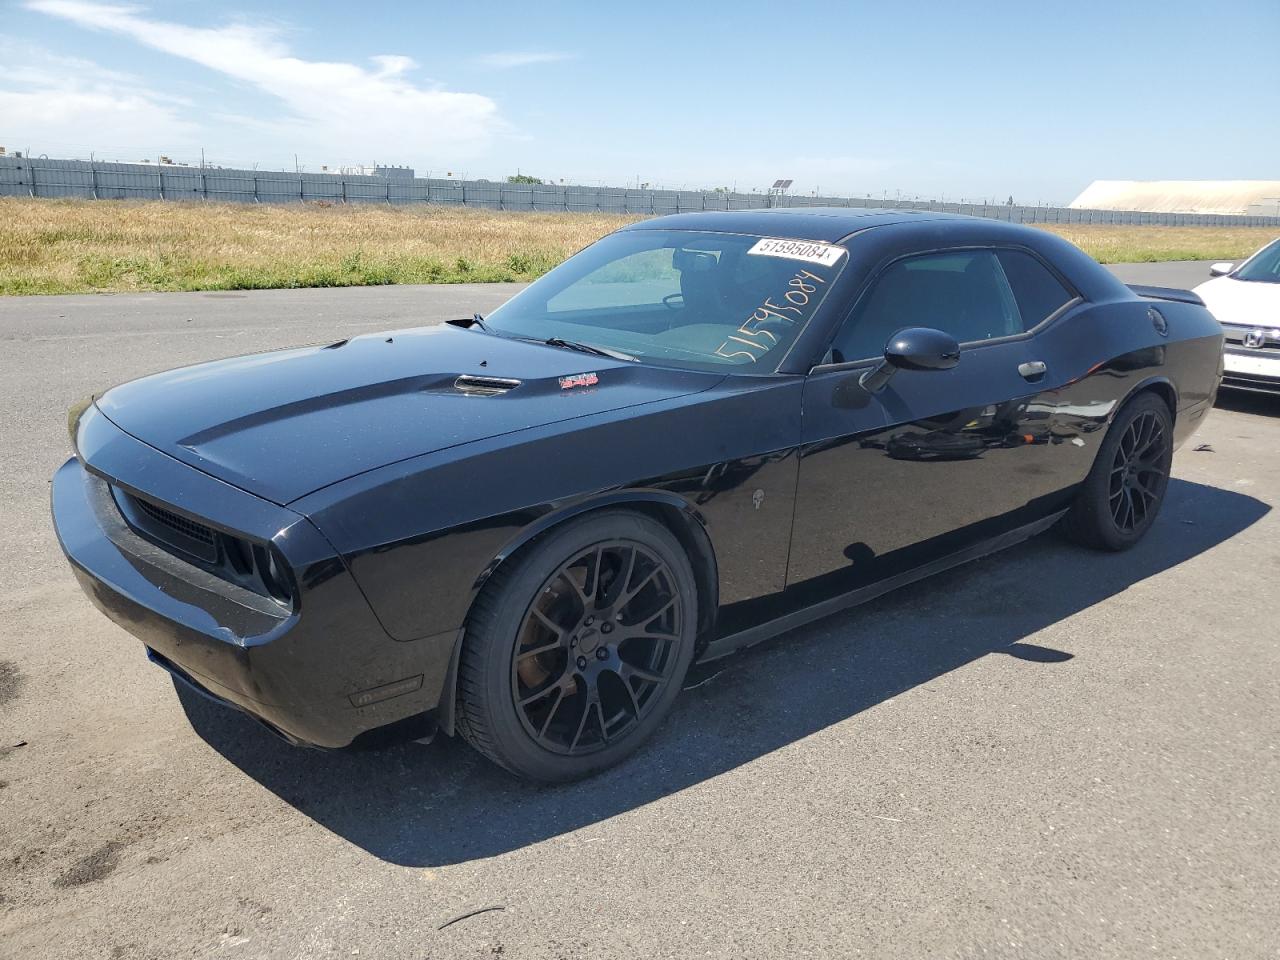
(29, 177)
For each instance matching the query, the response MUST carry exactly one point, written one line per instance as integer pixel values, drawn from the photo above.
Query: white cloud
(505, 61)
(330, 107)
(70, 105)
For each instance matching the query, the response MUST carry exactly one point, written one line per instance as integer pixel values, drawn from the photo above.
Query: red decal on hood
(579, 380)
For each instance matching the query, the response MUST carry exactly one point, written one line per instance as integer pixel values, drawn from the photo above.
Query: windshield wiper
(478, 321)
(589, 348)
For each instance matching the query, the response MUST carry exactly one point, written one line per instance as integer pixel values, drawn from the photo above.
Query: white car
(1246, 301)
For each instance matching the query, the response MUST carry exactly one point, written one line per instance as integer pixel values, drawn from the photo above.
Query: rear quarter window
(1038, 292)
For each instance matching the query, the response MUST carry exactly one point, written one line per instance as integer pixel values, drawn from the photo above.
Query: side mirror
(915, 348)
(1221, 269)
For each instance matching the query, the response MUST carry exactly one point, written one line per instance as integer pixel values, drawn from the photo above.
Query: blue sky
(966, 100)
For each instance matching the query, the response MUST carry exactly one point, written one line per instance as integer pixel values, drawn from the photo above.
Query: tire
(1121, 498)
(575, 651)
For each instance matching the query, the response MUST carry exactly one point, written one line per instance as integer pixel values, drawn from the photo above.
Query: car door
(935, 461)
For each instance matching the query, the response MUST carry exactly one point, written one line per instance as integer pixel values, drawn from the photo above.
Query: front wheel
(1119, 500)
(576, 649)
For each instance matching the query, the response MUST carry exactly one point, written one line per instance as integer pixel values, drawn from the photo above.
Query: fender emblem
(579, 380)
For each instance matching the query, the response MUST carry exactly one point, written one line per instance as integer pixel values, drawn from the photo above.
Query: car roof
(823, 224)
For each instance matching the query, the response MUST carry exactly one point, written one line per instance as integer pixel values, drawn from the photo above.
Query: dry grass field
(80, 246)
(1111, 244)
(77, 246)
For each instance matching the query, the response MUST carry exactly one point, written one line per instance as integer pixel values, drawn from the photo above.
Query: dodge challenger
(701, 431)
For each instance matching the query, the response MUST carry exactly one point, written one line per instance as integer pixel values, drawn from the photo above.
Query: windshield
(678, 297)
(1264, 266)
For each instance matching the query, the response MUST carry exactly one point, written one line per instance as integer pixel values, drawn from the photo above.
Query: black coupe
(699, 432)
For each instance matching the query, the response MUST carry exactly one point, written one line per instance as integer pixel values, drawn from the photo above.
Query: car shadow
(421, 805)
(1248, 401)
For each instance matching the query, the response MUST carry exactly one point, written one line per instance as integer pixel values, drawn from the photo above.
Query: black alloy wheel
(1119, 500)
(575, 651)
(596, 647)
(1138, 471)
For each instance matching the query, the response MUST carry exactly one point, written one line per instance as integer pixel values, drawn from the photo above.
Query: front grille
(168, 528)
(189, 528)
(251, 565)
(1262, 338)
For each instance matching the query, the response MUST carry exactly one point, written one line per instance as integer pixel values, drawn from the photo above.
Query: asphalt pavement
(1048, 753)
(1179, 274)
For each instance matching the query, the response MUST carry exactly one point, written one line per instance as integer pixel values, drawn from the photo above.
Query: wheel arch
(1158, 384)
(684, 522)
(1162, 386)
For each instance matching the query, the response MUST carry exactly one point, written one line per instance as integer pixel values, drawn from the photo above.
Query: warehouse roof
(1182, 196)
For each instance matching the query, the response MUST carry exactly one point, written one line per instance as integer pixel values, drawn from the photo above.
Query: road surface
(1048, 753)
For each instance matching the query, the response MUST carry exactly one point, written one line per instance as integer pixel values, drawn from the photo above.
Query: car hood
(1246, 303)
(284, 424)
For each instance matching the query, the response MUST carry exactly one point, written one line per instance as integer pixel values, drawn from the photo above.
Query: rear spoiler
(1166, 293)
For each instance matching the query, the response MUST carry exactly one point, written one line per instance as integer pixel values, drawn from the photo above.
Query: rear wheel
(575, 651)
(1119, 500)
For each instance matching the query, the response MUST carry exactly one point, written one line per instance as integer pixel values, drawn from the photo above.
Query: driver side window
(962, 292)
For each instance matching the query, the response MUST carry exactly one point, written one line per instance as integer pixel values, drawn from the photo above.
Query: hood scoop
(474, 386)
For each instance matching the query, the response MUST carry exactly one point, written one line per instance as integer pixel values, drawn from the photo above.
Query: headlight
(272, 575)
(73, 418)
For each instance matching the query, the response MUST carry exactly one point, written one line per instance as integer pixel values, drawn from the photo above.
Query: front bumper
(1247, 369)
(321, 673)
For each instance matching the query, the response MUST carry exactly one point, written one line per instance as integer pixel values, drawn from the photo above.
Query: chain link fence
(31, 177)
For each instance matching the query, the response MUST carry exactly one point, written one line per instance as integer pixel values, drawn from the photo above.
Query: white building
(1253, 197)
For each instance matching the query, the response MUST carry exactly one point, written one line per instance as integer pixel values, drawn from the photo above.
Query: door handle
(1032, 370)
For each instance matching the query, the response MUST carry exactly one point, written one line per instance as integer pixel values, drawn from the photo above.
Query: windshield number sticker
(579, 380)
(824, 255)
(799, 290)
